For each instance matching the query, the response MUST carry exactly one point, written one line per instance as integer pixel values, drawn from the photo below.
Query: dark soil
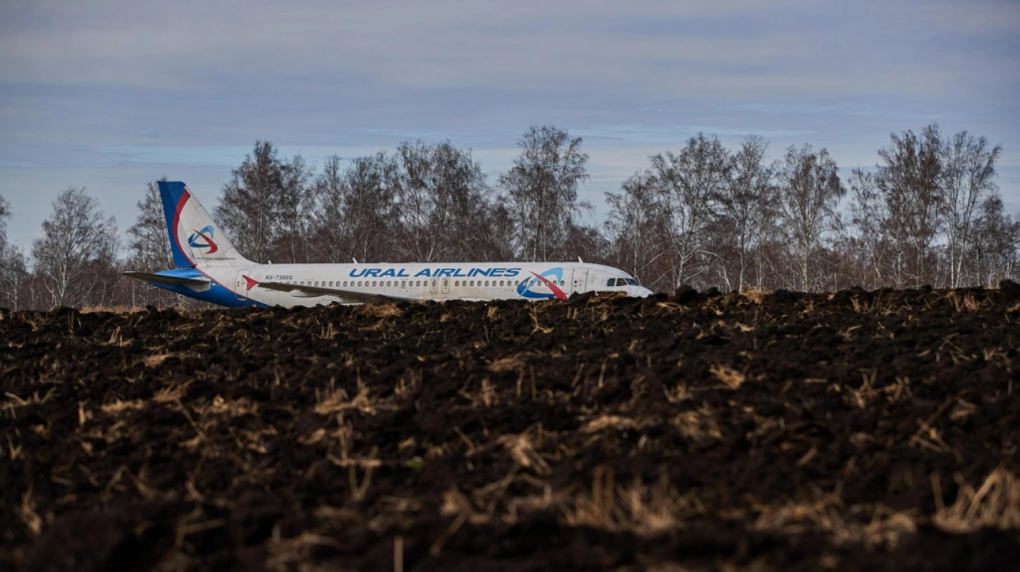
(848, 431)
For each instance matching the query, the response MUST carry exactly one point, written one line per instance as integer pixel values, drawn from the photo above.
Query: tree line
(929, 212)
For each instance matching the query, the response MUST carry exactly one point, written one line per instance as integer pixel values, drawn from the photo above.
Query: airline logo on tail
(203, 239)
(524, 289)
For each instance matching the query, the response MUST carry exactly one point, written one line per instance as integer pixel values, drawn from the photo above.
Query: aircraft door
(433, 286)
(580, 280)
(446, 285)
(240, 289)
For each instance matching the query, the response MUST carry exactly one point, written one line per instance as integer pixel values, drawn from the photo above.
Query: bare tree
(75, 256)
(909, 183)
(690, 184)
(14, 275)
(867, 217)
(995, 248)
(294, 203)
(541, 191)
(356, 216)
(442, 198)
(496, 235)
(149, 251)
(5, 213)
(968, 170)
(809, 192)
(638, 231)
(250, 205)
(13, 264)
(330, 228)
(149, 245)
(746, 201)
(370, 202)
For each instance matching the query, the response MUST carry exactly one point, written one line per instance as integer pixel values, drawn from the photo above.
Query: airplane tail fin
(195, 238)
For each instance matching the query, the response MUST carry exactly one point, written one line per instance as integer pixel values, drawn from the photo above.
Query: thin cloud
(114, 93)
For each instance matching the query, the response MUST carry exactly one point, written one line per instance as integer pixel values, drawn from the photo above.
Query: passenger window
(373, 283)
(389, 283)
(472, 282)
(456, 283)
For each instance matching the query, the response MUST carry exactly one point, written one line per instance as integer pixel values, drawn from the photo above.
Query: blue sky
(112, 94)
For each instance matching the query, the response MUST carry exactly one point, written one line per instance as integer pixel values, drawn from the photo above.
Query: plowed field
(848, 431)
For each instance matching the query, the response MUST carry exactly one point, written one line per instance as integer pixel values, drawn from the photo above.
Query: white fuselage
(420, 281)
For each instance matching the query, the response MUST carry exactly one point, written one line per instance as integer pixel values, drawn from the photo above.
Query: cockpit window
(632, 282)
(611, 282)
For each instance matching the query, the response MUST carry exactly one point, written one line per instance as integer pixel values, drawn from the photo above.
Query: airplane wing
(195, 283)
(312, 291)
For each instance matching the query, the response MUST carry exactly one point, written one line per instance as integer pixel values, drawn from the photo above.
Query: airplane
(209, 268)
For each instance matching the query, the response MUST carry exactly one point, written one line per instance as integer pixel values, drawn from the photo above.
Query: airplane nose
(640, 292)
